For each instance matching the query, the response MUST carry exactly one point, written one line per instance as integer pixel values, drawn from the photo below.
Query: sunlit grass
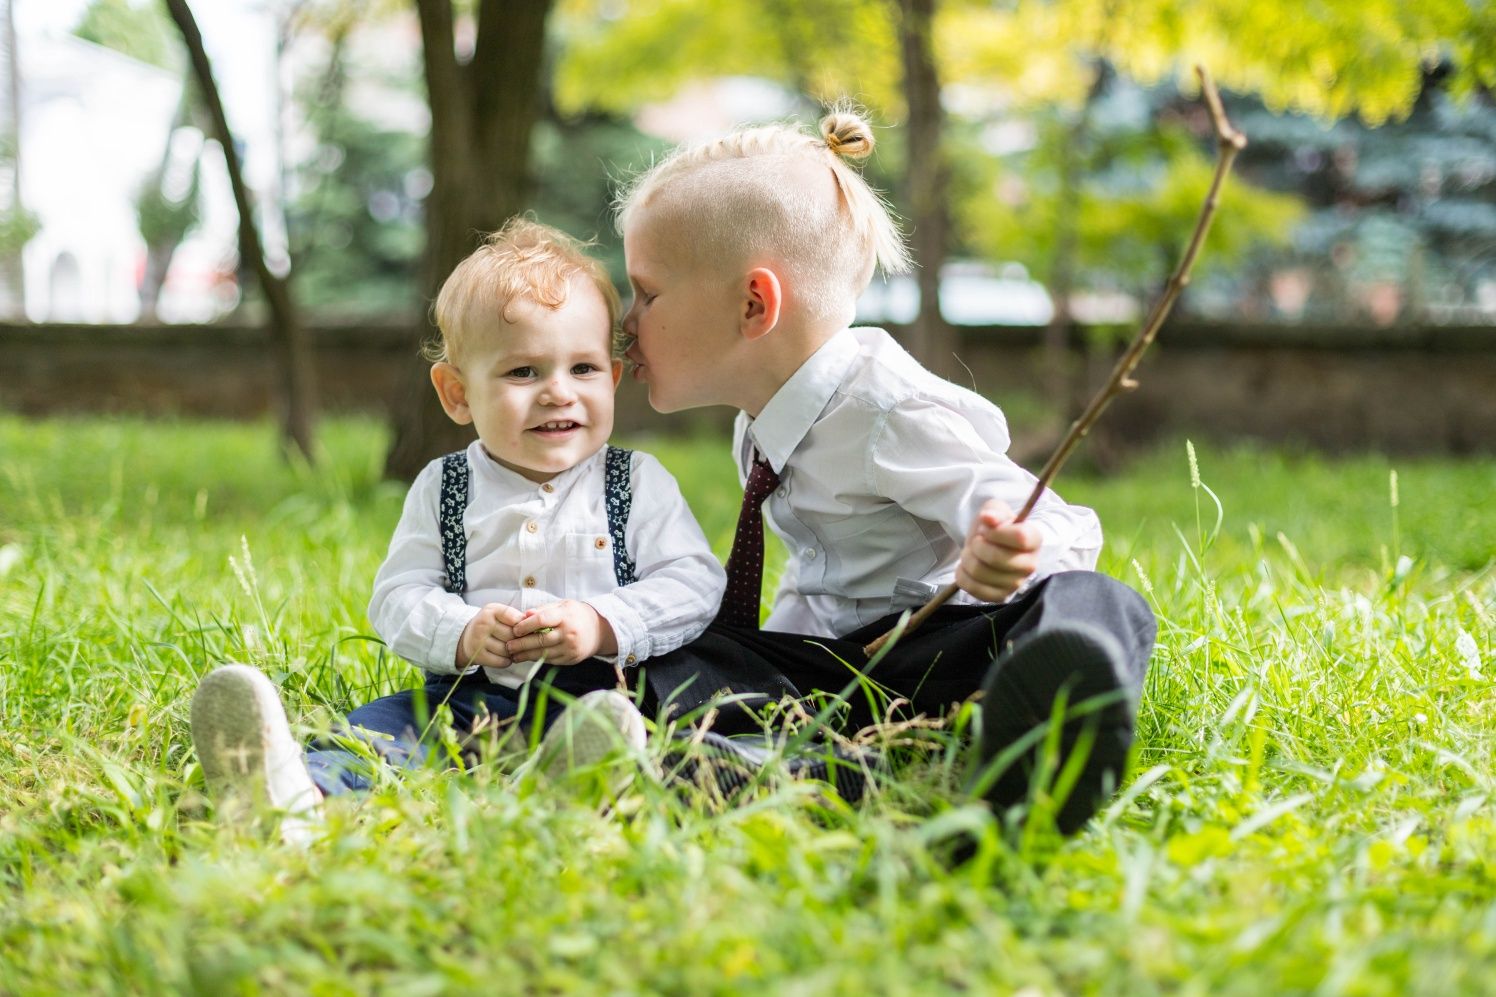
(1309, 806)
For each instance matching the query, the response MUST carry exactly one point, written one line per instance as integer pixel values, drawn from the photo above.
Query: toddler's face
(682, 321)
(540, 389)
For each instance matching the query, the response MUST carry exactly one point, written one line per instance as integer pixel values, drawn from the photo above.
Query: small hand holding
(562, 633)
(999, 554)
(484, 638)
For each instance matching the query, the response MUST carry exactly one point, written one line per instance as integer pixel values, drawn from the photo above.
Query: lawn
(1309, 806)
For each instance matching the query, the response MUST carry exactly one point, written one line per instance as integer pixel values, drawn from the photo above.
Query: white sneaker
(597, 726)
(247, 752)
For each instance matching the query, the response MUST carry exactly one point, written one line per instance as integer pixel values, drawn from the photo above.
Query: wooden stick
(1229, 142)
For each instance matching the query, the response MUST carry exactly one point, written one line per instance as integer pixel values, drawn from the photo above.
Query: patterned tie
(745, 565)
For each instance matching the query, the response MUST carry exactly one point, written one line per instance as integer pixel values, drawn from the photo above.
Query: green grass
(1309, 808)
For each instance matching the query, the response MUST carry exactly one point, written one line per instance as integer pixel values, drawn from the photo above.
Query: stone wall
(1405, 390)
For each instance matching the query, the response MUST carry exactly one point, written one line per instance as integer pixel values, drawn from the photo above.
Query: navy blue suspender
(618, 499)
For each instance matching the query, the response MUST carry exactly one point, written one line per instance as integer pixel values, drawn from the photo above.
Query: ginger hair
(775, 195)
(523, 261)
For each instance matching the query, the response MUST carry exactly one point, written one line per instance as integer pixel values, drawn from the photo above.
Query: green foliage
(17, 226)
(616, 56)
(1411, 202)
(1334, 59)
(356, 217)
(1145, 176)
(578, 164)
(138, 28)
(162, 220)
(1309, 807)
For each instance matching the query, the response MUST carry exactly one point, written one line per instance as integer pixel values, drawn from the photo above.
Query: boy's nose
(557, 391)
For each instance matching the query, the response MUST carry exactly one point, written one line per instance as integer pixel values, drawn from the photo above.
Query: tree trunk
(293, 346)
(482, 114)
(931, 340)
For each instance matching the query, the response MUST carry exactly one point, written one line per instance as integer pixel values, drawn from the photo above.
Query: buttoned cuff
(441, 657)
(628, 628)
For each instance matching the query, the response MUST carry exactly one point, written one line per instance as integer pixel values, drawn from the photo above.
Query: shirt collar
(515, 483)
(799, 402)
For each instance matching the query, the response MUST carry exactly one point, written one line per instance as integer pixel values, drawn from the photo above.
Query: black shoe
(1087, 666)
(731, 763)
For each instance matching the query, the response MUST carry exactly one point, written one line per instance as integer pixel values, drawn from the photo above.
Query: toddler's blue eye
(585, 368)
(522, 372)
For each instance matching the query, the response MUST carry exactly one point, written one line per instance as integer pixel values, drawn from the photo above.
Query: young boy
(538, 555)
(746, 257)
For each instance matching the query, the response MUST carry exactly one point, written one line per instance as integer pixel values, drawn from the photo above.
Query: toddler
(540, 555)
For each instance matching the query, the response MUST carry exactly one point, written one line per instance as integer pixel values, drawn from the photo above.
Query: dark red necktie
(745, 565)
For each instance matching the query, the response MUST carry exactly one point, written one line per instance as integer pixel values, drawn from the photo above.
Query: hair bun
(847, 135)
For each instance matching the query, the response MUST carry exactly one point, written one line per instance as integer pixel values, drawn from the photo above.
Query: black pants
(941, 664)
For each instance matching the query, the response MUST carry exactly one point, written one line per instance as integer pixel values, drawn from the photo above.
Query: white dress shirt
(530, 544)
(883, 467)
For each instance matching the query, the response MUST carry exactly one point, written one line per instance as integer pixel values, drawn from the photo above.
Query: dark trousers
(941, 664)
(397, 728)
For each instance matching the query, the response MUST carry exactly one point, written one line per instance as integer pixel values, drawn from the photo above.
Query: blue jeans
(393, 726)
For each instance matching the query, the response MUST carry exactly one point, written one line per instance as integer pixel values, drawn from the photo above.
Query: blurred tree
(483, 112)
(17, 225)
(354, 223)
(138, 29)
(294, 349)
(620, 55)
(144, 31)
(166, 209)
(358, 192)
(1044, 63)
(1402, 220)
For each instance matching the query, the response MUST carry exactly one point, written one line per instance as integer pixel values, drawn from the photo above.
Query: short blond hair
(523, 261)
(779, 194)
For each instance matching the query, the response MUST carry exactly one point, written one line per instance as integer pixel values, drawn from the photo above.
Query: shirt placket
(533, 547)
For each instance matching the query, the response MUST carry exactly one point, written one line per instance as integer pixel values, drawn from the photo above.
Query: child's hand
(999, 554)
(562, 633)
(483, 639)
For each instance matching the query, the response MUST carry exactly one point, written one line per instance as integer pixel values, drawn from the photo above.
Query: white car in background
(971, 293)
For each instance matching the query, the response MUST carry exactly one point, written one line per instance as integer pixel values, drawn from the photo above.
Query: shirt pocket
(589, 565)
(867, 553)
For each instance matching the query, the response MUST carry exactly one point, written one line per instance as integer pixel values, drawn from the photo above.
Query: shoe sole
(730, 764)
(239, 731)
(1082, 663)
(596, 727)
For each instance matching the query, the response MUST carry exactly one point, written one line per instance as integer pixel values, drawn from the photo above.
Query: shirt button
(601, 543)
(547, 487)
(530, 582)
(532, 526)
(630, 660)
(810, 555)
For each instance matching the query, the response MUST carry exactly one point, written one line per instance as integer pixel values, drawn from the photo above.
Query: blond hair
(776, 194)
(523, 261)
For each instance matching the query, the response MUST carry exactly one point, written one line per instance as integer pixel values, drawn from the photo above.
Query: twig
(1229, 142)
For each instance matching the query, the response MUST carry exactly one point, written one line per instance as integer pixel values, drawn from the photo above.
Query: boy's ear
(447, 380)
(763, 297)
(617, 371)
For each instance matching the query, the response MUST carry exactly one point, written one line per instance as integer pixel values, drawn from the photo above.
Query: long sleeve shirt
(883, 467)
(530, 544)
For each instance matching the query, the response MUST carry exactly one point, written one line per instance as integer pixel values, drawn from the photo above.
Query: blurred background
(1048, 161)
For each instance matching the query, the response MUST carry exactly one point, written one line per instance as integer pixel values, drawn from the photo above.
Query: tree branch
(1229, 142)
(295, 347)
